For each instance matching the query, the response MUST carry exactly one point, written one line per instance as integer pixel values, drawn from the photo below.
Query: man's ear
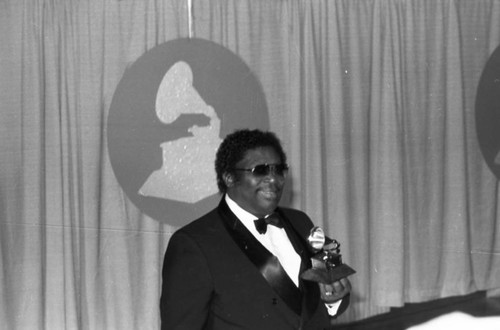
(229, 179)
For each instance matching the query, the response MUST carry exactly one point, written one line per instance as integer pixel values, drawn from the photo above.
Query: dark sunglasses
(262, 170)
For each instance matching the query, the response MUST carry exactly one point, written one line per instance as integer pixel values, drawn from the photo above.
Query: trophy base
(327, 276)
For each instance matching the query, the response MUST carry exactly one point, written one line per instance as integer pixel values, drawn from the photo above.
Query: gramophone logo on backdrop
(169, 113)
(488, 113)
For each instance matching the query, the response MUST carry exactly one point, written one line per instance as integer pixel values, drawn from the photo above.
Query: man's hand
(331, 293)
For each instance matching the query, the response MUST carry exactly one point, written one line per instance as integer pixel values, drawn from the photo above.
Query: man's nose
(273, 175)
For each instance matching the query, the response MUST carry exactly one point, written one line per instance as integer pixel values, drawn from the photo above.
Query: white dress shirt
(276, 241)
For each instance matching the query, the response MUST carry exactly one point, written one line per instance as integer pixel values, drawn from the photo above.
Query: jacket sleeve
(186, 285)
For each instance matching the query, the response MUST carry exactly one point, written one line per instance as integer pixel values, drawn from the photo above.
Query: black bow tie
(273, 219)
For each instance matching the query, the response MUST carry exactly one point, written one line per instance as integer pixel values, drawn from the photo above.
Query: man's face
(257, 195)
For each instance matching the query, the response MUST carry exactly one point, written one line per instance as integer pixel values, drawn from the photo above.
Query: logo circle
(168, 111)
(488, 113)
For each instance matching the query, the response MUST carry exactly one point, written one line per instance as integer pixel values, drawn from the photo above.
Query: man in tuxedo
(239, 266)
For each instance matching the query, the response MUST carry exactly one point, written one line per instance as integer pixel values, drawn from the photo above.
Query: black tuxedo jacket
(216, 275)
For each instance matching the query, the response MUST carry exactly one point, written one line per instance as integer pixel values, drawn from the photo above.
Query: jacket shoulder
(208, 224)
(298, 219)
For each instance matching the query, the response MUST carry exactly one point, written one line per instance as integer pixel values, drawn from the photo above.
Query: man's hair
(234, 147)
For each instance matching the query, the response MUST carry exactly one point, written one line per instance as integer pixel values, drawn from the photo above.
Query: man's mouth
(271, 194)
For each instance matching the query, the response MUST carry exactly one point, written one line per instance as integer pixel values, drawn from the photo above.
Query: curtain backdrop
(373, 100)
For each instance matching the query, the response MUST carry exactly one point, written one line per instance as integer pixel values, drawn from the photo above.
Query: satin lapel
(267, 264)
(310, 290)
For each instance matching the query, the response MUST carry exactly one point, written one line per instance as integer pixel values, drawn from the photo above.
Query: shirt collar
(243, 215)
